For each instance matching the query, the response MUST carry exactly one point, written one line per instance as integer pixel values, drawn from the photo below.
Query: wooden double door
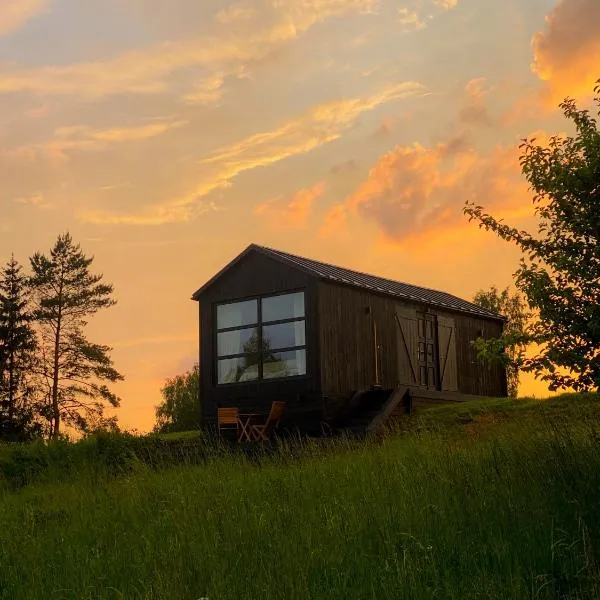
(426, 349)
(427, 352)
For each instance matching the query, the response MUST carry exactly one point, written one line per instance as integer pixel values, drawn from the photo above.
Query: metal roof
(368, 282)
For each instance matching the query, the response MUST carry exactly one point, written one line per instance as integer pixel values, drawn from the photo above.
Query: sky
(166, 137)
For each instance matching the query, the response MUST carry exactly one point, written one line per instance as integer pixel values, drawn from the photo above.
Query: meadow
(489, 499)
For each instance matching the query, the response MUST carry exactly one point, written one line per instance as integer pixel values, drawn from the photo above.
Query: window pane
(243, 368)
(284, 364)
(238, 341)
(283, 335)
(286, 306)
(237, 314)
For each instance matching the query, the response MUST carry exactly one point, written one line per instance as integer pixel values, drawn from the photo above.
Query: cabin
(330, 340)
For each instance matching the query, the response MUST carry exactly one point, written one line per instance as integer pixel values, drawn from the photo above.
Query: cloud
(413, 191)
(447, 4)
(36, 200)
(567, 52)
(291, 212)
(318, 126)
(346, 166)
(15, 13)
(235, 13)
(475, 111)
(85, 138)
(209, 91)
(335, 221)
(149, 71)
(83, 134)
(410, 19)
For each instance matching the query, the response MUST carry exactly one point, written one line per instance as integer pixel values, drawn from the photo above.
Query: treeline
(51, 375)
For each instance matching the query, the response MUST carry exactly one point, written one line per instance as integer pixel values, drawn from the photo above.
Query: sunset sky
(167, 136)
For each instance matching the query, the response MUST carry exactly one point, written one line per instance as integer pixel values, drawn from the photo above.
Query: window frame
(259, 327)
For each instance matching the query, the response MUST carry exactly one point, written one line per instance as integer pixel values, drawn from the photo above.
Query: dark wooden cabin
(274, 326)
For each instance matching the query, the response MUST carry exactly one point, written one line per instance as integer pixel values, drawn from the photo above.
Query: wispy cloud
(235, 13)
(15, 13)
(148, 71)
(317, 127)
(38, 200)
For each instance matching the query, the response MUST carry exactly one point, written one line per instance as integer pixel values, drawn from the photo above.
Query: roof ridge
(412, 285)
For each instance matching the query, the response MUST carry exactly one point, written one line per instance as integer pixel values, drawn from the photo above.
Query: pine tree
(66, 295)
(17, 344)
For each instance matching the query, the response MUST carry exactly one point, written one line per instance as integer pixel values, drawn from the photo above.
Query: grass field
(495, 499)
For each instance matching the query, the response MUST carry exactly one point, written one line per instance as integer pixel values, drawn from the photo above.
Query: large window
(262, 338)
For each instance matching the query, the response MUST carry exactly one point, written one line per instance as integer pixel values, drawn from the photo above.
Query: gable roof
(372, 283)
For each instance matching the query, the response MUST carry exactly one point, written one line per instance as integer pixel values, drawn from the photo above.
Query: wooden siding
(347, 346)
(347, 343)
(473, 377)
(257, 275)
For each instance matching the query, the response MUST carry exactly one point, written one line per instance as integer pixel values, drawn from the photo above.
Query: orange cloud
(336, 220)
(15, 13)
(413, 191)
(567, 52)
(293, 212)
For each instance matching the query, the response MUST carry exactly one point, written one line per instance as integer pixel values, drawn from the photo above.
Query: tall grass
(510, 513)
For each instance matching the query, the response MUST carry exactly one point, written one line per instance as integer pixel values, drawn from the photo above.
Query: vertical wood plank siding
(346, 343)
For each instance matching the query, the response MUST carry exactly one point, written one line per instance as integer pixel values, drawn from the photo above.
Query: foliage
(17, 345)
(560, 270)
(514, 308)
(180, 408)
(510, 514)
(71, 368)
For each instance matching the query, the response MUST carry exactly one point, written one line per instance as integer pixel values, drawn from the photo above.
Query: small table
(245, 422)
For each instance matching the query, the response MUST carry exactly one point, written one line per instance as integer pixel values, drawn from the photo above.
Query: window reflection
(241, 368)
(238, 341)
(237, 314)
(286, 306)
(284, 364)
(284, 335)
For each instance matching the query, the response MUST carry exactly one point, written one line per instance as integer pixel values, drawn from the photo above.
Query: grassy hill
(490, 499)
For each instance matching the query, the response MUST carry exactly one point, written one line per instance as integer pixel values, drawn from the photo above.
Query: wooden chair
(261, 432)
(229, 419)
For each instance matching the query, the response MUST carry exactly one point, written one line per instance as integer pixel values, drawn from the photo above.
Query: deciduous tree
(514, 308)
(559, 272)
(180, 408)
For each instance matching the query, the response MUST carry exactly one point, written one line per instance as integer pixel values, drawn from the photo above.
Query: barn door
(427, 352)
(406, 336)
(447, 349)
